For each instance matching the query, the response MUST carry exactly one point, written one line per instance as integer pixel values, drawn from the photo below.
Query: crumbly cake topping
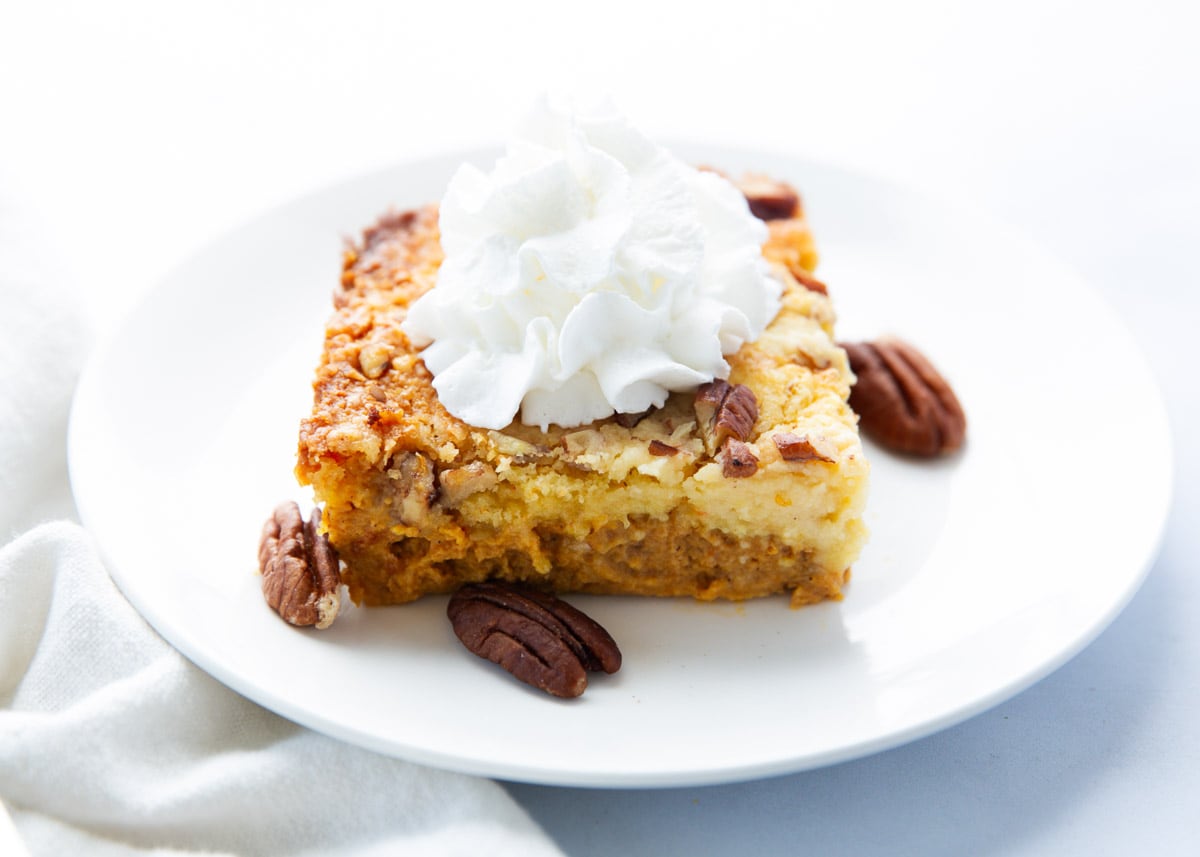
(372, 385)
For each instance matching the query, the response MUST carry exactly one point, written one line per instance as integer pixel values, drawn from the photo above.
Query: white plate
(984, 572)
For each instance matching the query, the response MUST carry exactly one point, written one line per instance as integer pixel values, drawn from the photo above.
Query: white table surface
(141, 131)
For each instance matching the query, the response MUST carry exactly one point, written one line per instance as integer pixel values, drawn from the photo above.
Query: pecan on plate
(300, 577)
(724, 410)
(902, 400)
(540, 639)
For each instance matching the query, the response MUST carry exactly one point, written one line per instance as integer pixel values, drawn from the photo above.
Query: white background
(142, 130)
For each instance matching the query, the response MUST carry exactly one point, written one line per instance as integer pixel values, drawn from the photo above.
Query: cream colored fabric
(112, 743)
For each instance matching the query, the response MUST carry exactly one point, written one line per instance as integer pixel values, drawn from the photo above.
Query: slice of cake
(417, 501)
(733, 488)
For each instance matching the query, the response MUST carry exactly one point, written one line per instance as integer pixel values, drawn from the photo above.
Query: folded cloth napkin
(111, 742)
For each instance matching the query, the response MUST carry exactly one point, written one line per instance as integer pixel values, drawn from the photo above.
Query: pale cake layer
(418, 502)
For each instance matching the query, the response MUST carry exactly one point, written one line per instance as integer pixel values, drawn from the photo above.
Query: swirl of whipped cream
(590, 272)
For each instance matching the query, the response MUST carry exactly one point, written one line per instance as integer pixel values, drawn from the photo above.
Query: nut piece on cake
(723, 411)
(796, 448)
(769, 199)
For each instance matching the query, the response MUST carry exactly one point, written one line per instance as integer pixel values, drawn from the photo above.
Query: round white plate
(984, 571)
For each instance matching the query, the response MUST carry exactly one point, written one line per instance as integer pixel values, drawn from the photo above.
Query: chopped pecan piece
(737, 459)
(723, 411)
(387, 227)
(769, 199)
(795, 447)
(630, 420)
(374, 358)
(459, 483)
(415, 486)
(737, 414)
(806, 279)
(657, 447)
(300, 577)
(540, 639)
(902, 400)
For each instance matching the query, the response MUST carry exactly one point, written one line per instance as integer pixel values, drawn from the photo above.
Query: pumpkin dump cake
(606, 453)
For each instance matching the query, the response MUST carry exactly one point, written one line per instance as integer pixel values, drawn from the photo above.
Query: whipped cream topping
(590, 272)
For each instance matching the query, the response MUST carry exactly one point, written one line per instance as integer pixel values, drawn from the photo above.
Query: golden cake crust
(418, 502)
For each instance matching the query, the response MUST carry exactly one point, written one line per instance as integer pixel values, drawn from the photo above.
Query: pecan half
(902, 400)
(540, 639)
(300, 577)
(723, 411)
(769, 199)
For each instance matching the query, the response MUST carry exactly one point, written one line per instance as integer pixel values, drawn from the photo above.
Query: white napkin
(111, 743)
